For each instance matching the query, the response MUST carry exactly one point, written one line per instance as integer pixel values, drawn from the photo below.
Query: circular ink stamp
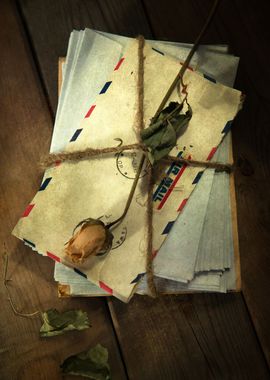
(127, 163)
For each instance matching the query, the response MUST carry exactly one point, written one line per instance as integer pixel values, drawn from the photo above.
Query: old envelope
(72, 192)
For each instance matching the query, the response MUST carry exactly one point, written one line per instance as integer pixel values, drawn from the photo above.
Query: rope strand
(86, 154)
(91, 153)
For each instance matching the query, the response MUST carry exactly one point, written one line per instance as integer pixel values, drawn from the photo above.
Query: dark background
(206, 336)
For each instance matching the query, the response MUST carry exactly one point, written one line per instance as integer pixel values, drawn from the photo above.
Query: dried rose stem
(219, 166)
(130, 197)
(176, 81)
(186, 63)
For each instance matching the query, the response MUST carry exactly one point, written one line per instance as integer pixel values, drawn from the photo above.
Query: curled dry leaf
(161, 136)
(57, 323)
(92, 363)
(93, 238)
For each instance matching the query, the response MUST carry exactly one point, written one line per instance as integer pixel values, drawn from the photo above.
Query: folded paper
(99, 188)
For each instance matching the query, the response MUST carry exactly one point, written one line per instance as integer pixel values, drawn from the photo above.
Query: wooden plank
(245, 27)
(253, 199)
(182, 21)
(24, 135)
(148, 328)
(188, 337)
(50, 23)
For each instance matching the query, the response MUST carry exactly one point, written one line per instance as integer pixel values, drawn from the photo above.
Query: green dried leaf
(92, 364)
(161, 136)
(55, 323)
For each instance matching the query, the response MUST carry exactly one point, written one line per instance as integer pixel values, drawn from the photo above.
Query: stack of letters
(195, 230)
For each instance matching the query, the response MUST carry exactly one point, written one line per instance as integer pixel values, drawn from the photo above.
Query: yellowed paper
(100, 187)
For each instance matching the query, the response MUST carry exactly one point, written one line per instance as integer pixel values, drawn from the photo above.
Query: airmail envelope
(99, 187)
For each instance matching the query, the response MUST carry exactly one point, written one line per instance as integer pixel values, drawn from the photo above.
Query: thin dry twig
(13, 307)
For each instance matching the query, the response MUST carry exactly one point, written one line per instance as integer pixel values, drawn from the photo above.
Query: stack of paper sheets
(194, 218)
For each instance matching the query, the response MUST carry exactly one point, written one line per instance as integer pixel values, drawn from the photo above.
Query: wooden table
(202, 336)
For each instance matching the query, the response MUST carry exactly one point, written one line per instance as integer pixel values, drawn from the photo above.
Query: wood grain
(188, 337)
(24, 135)
(199, 336)
(49, 24)
(245, 27)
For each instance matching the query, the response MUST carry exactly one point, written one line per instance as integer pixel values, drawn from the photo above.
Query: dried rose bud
(93, 238)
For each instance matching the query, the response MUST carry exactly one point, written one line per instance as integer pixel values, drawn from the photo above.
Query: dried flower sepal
(92, 239)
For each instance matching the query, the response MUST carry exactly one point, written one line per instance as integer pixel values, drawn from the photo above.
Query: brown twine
(140, 87)
(149, 257)
(149, 210)
(86, 154)
(219, 166)
(92, 153)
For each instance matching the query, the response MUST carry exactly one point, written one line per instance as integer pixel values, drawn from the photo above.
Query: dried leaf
(161, 136)
(55, 323)
(92, 364)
